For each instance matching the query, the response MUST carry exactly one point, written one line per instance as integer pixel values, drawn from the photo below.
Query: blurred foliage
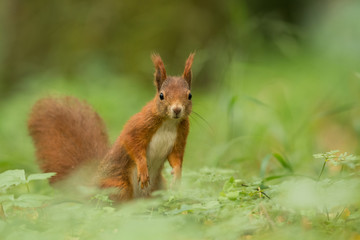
(72, 37)
(212, 204)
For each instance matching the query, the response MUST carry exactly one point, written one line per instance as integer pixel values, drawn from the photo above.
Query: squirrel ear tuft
(160, 72)
(187, 75)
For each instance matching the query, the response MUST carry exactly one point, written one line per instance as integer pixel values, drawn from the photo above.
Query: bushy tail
(66, 133)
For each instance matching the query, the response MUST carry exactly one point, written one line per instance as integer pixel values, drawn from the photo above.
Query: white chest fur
(161, 144)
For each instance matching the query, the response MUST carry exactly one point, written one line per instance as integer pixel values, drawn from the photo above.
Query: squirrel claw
(143, 180)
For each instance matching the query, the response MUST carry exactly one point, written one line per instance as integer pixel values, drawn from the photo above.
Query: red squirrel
(68, 133)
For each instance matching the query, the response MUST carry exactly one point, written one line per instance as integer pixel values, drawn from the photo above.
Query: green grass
(249, 170)
(210, 205)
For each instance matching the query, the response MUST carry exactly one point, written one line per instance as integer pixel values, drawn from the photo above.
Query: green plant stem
(322, 169)
(342, 170)
(2, 212)
(339, 214)
(27, 187)
(327, 214)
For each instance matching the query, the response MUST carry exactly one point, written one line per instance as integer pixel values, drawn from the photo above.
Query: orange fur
(160, 72)
(187, 75)
(67, 133)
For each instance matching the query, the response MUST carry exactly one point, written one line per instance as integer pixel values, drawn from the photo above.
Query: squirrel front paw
(143, 178)
(176, 172)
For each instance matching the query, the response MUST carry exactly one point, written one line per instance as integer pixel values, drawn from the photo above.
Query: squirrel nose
(177, 110)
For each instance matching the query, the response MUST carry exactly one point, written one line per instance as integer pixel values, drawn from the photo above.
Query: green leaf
(264, 164)
(339, 109)
(257, 101)
(184, 208)
(40, 176)
(231, 104)
(276, 177)
(11, 178)
(283, 162)
(228, 184)
(211, 205)
(31, 200)
(232, 195)
(6, 198)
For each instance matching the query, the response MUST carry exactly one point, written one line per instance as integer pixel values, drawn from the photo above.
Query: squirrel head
(173, 96)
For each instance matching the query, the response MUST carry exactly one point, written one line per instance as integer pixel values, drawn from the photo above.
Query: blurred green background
(270, 76)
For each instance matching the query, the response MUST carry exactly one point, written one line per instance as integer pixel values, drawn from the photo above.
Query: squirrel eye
(190, 96)
(161, 96)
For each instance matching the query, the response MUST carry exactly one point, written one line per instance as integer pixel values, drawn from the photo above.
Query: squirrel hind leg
(121, 189)
(160, 183)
